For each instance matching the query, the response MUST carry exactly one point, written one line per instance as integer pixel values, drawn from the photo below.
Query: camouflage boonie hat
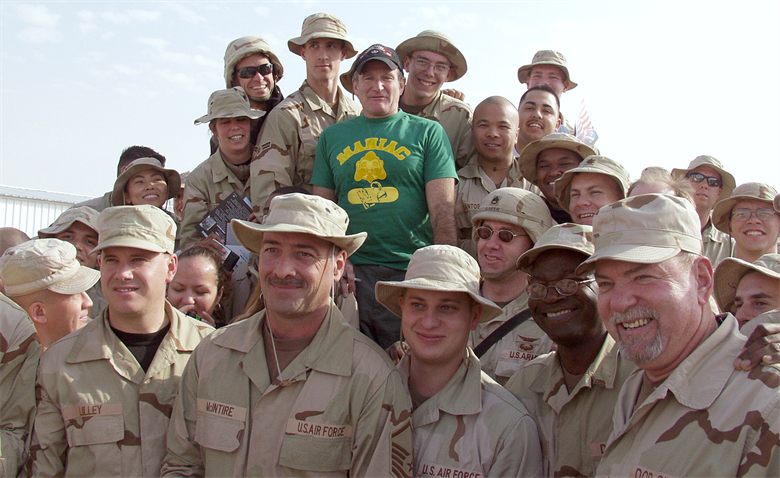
(45, 264)
(321, 25)
(645, 229)
(437, 42)
(229, 103)
(301, 213)
(243, 47)
(776, 203)
(728, 180)
(731, 270)
(591, 164)
(83, 214)
(441, 268)
(142, 227)
(514, 206)
(530, 153)
(545, 57)
(721, 213)
(172, 179)
(569, 236)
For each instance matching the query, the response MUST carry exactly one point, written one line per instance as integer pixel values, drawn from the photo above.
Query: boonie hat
(545, 57)
(569, 236)
(83, 214)
(731, 270)
(243, 47)
(144, 227)
(172, 179)
(645, 229)
(44, 264)
(728, 180)
(321, 25)
(514, 206)
(441, 268)
(437, 42)
(378, 52)
(229, 103)
(591, 164)
(777, 203)
(530, 153)
(721, 213)
(302, 213)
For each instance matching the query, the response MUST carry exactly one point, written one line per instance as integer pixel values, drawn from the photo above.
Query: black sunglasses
(251, 71)
(711, 182)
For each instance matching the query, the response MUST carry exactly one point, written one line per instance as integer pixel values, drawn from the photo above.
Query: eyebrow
(760, 295)
(628, 272)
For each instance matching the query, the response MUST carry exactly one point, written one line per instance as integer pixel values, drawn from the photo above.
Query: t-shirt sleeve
(439, 162)
(322, 175)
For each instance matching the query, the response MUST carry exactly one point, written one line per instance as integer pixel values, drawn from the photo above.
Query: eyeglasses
(484, 232)
(711, 181)
(423, 64)
(763, 214)
(565, 287)
(250, 71)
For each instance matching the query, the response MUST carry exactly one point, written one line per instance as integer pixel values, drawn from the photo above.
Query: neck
(237, 158)
(706, 327)
(326, 89)
(414, 98)
(520, 145)
(577, 357)
(296, 327)
(704, 216)
(505, 289)
(147, 322)
(749, 256)
(428, 379)
(553, 202)
(496, 170)
(257, 106)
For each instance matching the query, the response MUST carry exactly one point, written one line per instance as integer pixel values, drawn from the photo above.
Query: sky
(663, 81)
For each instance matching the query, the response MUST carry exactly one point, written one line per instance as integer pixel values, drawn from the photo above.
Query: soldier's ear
(476, 316)
(38, 313)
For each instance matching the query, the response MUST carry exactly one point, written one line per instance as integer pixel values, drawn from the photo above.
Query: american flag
(584, 128)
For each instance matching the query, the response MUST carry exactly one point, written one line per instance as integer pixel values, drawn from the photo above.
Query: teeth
(558, 314)
(754, 233)
(587, 214)
(636, 323)
(238, 136)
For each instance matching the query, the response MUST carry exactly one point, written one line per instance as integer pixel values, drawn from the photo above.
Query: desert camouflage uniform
(207, 186)
(521, 345)
(99, 414)
(98, 203)
(338, 409)
(19, 354)
(99, 303)
(574, 427)
(455, 116)
(717, 244)
(473, 428)
(705, 419)
(288, 141)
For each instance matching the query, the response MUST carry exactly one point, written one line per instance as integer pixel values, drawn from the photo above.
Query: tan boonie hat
(144, 227)
(229, 103)
(244, 47)
(437, 42)
(438, 267)
(172, 179)
(546, 57)
(721, 213)
(83, 214)
(591, 164)
(302, 213)
(569, 236)
(777, 203)
(731, 270)
(530, 153)
(45, 264)
(728, 180)
(321, 25)
(645, 229)
(514, 206)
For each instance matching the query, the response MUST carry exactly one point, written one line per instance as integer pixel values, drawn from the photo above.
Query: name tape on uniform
(319, 430)
(223, 410)
(91, 410)
(431, 469)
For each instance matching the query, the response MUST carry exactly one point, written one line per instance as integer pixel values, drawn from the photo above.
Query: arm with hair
(440, 196)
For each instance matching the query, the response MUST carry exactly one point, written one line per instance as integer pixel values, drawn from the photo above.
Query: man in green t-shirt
(394, 175)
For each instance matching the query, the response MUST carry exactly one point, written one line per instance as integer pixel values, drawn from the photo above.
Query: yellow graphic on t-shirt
(370, 196)
(377, 144)
(370, 168)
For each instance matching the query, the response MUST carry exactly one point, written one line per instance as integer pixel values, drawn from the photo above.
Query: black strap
(500, 332)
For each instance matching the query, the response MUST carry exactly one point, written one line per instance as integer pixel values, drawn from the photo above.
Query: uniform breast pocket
(95, 443)
(95, 430)
(314, 454)
(219, 426)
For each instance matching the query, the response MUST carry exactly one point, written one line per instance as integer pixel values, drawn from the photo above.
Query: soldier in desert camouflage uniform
(749, 218)
(748, 289)
(105, 393)
(595, 182)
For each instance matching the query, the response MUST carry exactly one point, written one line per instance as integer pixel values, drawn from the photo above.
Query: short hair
(655, 174)
(10, 237)
(545, 88)
(135, 152)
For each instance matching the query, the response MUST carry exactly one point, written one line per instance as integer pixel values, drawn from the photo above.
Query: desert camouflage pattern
(530, 153)
(573, 425)
(545, 57)
(731, 271)
(769, 317)
(321, 25)
(338, 409)
(455, 117)
(284, 155)
(523, 344)
(207, 185)
(705, 419)
(99, 302)
(716, 244)
(568, 236)
(591, 164)
(721, 213)
(728, 180)
(473, 428)
(515, 206)
(99, 414)
(19, 354)
(243, 47)
(83, 214)
(437, 42)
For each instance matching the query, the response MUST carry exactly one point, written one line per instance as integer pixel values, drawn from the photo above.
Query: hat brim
(530, 153)
(524, 72)
(722, 210)
(387, 294)
(128, 241)
(639, 254)
(51, 231)
(727, 276)
(455, 57)
(252, 114)
(172, 180)
(346, 78)
(526, 260)
(250, 235)
(295, 44)
(80, 282)
(562, 185)
(729, 184)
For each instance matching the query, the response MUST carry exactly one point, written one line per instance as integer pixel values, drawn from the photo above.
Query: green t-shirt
(378, 169)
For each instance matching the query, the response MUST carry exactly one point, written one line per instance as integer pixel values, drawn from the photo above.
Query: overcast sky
(664, 81)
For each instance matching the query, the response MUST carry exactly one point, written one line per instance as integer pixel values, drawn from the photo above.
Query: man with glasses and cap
(286, 147)
(465, 424)
(748, 216)
(105, 393)
(292, 390)
(431, 59)
(394, 175)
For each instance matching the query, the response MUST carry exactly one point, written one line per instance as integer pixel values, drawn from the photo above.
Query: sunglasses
(565, 287)
(699, 177)
(504, 235)
(250, 71)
